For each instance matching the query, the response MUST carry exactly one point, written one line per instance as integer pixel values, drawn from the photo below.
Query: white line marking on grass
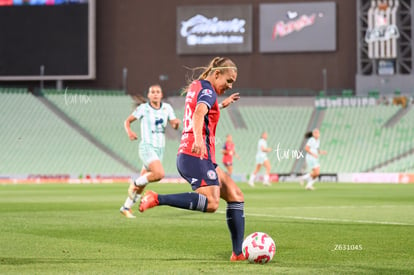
(324, 219)
(342, 206)
(343, 220)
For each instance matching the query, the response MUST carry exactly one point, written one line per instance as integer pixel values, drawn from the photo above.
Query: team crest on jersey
(211, 174)
(206, 92)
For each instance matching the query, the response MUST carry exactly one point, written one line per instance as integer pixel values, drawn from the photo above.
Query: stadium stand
(400, 136)
(357, 140)
(101, 114)
(35, 140)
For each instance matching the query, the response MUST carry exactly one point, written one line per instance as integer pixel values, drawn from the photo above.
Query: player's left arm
(173, 120)
(308, 150)
(229, 100)
(266, 149)
(175, 123)
(322, 152)
(236, 155)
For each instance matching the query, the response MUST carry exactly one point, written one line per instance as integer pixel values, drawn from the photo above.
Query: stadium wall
(141, 37)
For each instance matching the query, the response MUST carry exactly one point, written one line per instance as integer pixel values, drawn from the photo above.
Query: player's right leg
(131, 198)
(266, 179)
(155, 172)
(202, 176)
(151, 157)
(304, 178)
(314, 176)
(151, 171)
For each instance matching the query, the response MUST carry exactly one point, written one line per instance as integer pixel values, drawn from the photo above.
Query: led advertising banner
(297, 27)
(214, 29)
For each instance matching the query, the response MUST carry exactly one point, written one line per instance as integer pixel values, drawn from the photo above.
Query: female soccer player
(196, 160)
(229, 151)
(154, 116)
(312, 158)
(261, 159)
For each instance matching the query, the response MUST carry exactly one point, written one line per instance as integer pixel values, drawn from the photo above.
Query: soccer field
(339, 228)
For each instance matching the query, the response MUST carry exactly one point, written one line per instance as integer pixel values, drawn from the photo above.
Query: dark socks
(235, 222)
(189, 200)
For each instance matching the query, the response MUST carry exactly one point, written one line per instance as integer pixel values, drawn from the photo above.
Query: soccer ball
(259, 247)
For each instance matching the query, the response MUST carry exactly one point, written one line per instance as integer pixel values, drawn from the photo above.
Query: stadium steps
(53, 108)
(102, 116)
(397, 117)
(236, 117)
(404, 164)
(390, 162)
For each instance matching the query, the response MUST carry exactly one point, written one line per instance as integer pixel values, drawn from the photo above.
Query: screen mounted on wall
(47, 40)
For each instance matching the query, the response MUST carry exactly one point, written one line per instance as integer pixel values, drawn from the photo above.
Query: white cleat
(311, 188)
(127, 213)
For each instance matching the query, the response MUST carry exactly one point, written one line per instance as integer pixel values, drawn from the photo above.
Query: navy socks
(189, 200)
(235, 222)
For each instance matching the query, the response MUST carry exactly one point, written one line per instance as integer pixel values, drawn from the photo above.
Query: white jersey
(313, 145)
(153, 122)
(260, 153)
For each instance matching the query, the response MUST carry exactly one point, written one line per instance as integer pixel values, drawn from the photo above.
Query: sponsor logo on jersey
(211, 174)
(159, 121)
(206, 92)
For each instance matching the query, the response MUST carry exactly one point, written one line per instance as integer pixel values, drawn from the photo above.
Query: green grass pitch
(337, 229)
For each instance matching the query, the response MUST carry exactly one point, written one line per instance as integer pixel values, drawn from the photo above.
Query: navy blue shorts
(197, 172)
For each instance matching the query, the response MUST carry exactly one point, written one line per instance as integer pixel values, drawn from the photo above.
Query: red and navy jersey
(229, 147)
(200, 91)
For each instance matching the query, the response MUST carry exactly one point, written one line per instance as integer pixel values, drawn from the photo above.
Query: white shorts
(260, 159)
(312, 162)
(149, 153)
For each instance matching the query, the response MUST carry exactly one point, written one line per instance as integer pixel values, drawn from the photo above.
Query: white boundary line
(323, 219)
(339, 206)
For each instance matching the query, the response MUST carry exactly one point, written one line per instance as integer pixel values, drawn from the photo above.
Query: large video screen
(47, 40)
(40, 2)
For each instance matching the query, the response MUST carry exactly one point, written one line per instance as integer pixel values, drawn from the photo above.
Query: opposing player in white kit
(261, 159)
(312, 159)
(154, 116)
